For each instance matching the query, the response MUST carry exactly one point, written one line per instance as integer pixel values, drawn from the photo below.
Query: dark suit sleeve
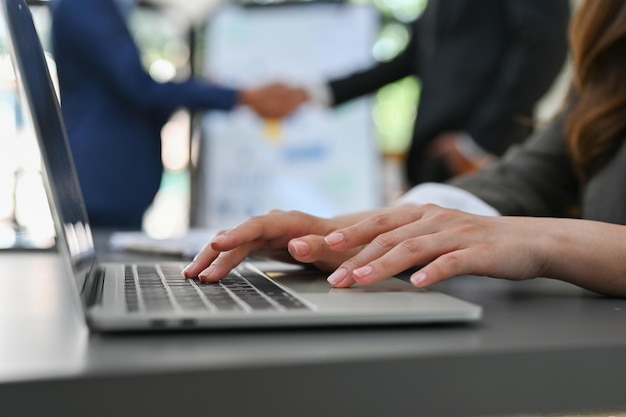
(369, 80)
(97, 33)
(532, 179)
(534, 56)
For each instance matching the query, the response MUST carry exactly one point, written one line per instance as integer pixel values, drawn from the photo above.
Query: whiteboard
(321, 161)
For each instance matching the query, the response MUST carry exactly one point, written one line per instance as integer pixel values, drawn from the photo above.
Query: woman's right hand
(271, 235)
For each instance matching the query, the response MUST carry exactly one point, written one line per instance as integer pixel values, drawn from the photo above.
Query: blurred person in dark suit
(483, 66)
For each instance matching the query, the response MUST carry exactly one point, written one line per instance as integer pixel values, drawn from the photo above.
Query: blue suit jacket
(114, 111)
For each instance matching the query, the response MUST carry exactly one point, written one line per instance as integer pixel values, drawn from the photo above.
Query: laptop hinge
(92, 290)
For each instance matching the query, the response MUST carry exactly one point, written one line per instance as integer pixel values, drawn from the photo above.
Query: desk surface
(542, 347)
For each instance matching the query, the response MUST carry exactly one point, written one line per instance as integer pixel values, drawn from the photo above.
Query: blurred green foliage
(396, 103)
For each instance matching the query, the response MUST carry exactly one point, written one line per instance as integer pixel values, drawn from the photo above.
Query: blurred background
(170, 39)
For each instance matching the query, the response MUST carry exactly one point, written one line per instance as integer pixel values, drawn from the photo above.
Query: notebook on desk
(148, 296)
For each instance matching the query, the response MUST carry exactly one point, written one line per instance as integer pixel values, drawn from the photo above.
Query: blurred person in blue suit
(114, 111)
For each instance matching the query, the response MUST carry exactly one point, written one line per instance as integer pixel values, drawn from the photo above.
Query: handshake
(273, 101)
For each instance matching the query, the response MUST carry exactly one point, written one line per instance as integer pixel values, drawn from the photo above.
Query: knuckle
(256, 218)
(452, 264)
(381, 219)
(385, 241)
(411, 246)
(430, 207)
(467, 228)
(453, 260)
(299, 217)
(353, 263)
(384, 264)
(441, 215)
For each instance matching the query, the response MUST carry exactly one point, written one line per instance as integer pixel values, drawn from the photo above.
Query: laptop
(155, 296)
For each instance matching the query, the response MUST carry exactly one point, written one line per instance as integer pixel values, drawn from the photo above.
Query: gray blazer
(537, 179)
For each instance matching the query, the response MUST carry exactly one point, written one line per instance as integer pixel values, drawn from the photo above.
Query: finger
(274, 112)
(410, 252)
(382, 244)
(385, 242)
(229, 248)
(314, 250)
(366, 230)
(225, 262)
(377, 248)
(447, 266)
(271, 226)
(204, 257)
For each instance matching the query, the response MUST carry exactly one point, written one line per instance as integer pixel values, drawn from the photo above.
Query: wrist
(244, 97)
(317, 94)
(467, 146)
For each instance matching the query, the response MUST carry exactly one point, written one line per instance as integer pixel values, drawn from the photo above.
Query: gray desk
(542, 347)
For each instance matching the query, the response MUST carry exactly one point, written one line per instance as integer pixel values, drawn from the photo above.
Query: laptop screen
(33, 77)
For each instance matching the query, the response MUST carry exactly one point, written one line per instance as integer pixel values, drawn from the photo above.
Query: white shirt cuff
(319, 94)
(468, 147)
(445, 195)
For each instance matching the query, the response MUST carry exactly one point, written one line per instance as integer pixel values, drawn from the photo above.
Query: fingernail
(206, 274)
(418, 279)
(363, 272)
(337, 276)
(187, 268)
(334, 238)
(300, 248)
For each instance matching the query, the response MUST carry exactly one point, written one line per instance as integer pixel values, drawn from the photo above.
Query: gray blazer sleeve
(535, 178)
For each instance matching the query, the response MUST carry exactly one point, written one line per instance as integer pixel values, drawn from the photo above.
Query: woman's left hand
(448, 242)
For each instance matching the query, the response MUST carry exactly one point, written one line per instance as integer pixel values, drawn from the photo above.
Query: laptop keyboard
(162, 288)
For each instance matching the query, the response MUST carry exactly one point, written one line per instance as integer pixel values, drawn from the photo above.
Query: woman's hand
(272, 235)
(448, 242)
(451, 243)
(369, 247)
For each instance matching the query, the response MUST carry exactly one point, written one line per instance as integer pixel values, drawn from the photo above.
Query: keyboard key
(272, 290)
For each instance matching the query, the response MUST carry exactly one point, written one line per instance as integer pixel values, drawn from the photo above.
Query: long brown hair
(596, 121)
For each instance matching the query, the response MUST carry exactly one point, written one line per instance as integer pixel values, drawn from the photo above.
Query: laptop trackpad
(313, 281)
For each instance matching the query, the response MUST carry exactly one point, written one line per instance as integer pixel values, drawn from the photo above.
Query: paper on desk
(186, 246)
